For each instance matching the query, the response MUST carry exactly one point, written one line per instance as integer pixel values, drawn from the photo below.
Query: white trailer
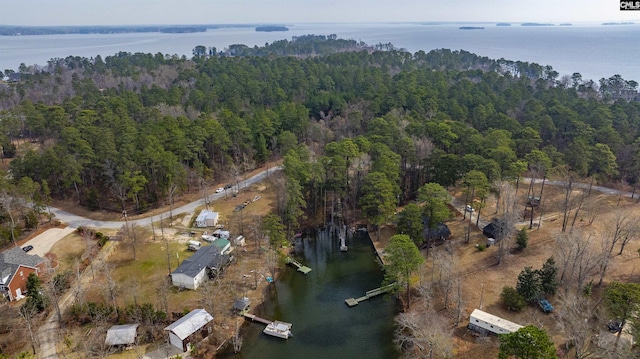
(485, 323)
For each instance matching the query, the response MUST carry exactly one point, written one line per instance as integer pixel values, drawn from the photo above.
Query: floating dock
(301, 268)
(274, 328)
(352, 302)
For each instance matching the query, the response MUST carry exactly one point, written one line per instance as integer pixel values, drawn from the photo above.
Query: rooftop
(121, 334)
(190, 323)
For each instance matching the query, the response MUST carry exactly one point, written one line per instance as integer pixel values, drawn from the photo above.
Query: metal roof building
(181, 331)
(122, 334)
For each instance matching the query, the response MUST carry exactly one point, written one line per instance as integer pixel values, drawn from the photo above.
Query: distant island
(272, 28)
(471, 28)
(503, 24)
(566, 24)
(534, 24)
(65, 30)
(618, 23)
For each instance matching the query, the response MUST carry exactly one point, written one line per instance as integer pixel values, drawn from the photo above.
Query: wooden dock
(352, 302)
(255, 318)
(301, 268)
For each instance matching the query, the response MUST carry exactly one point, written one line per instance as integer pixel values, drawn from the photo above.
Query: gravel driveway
(43, 242)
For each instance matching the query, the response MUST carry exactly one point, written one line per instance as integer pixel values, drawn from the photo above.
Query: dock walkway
(352, 302)
(274, 328)
(301, 268)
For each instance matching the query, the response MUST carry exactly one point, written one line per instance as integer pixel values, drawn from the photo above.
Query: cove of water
(323, 325)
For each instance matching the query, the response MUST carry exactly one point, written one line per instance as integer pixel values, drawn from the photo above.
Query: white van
(194, 245)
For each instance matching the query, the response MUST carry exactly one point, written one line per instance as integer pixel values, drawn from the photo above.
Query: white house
(193, 270)
(207, 218)
(189, 329)
(484, 322)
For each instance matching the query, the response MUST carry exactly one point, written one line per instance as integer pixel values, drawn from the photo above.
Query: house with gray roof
(193, 270)
(15, 267)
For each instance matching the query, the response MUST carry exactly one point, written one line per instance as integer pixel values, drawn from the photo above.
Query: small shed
(122, 335)
(207, 218)
(241, 304)
(239, 241)
(189, 329)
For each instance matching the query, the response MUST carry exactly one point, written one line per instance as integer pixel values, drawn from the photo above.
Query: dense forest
(131, 131)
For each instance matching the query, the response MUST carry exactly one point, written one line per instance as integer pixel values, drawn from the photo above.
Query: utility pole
(481, 294)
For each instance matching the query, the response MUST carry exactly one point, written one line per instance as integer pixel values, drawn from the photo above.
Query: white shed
(185, 330)
(484, 322)
(122, 334)
(207, 218)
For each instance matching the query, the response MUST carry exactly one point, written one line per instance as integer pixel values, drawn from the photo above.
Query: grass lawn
(140, 278)
(67, 250)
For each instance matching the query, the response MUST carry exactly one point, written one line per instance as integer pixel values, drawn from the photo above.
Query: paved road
(76, 221)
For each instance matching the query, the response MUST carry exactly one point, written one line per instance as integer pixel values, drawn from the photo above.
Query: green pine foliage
(511, 299)
(522, 238)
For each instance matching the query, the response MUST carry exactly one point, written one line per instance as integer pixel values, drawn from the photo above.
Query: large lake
(595, 51)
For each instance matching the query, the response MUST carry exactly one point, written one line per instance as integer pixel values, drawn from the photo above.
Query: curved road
(48, 334)
(77, 221)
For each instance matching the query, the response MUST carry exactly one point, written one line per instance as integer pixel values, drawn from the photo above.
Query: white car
(468, 208)
(220, 189)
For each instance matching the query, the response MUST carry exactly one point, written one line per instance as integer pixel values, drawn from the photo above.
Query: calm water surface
(594, 50)
(323, 325)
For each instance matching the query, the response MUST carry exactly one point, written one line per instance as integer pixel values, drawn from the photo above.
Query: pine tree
(522, 238)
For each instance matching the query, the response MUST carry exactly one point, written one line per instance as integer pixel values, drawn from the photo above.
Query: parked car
(545, 305)
(468, 208)
(220, 189)
(614, 326)
(27, 248)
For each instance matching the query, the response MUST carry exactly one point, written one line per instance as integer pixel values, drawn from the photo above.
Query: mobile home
(485, 323)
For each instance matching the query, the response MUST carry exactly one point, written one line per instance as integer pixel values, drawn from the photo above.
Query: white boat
(278, 329)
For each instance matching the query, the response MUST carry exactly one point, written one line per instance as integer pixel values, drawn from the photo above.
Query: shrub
(482, 247)
(511, 299)
(522, 238)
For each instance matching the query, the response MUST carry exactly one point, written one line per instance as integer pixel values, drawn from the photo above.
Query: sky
(141, 12)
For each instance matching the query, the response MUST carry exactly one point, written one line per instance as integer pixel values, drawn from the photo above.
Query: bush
(522, 238)
(511, 299)
(481, 247)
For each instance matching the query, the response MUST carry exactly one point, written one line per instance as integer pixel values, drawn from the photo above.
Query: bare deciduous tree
(580, 257)
(573, 320)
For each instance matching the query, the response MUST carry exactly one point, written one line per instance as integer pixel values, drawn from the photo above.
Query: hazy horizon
(224, 12)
